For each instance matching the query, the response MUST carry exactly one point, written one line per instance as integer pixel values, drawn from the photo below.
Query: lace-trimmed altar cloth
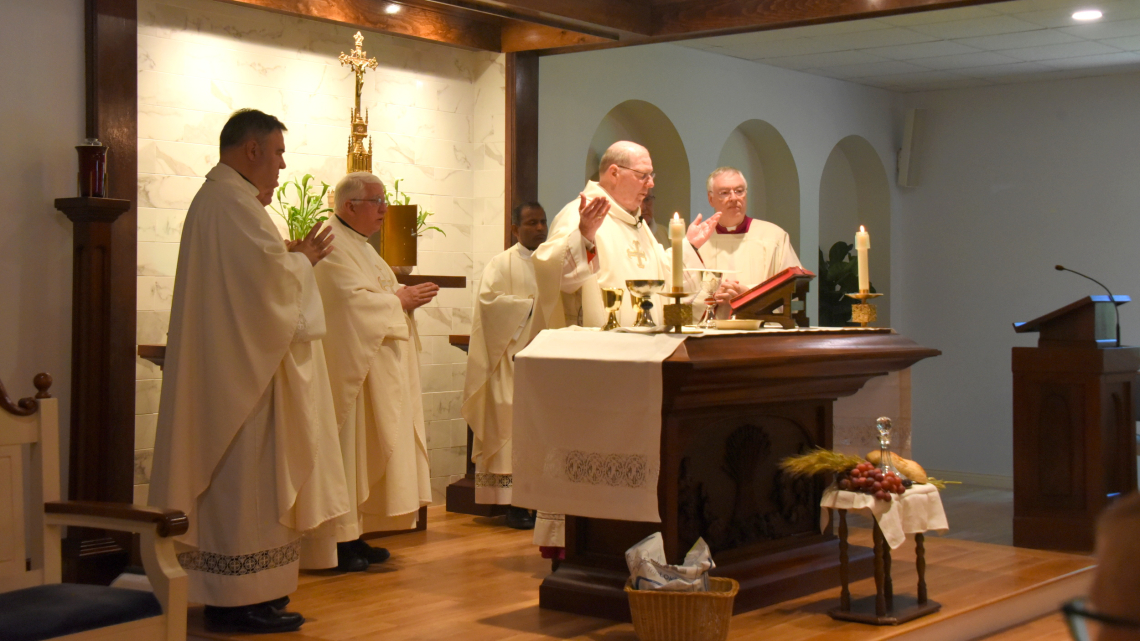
(587, 423)
(919, 509)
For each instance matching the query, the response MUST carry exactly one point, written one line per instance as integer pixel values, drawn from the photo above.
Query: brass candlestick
(677, 314)
(864, 312)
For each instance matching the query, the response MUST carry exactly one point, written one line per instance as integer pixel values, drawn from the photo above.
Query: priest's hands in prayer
(699, 232)
(414, 296)
(315, 245)
(729, 289)
(591, 215)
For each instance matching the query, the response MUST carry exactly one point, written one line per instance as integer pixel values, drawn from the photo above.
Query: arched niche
(853, 191)
(758, 150)
(642, 122)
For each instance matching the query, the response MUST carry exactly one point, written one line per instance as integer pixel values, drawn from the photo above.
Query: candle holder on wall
(864, 312)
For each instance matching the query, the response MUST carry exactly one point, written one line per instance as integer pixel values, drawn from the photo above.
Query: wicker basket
(683, 616)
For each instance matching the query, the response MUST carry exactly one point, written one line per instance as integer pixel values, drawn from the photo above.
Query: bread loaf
(909, 468)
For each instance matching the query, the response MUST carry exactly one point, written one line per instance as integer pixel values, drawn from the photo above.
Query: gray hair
(720, 171)
(620, 153)
(352, 186)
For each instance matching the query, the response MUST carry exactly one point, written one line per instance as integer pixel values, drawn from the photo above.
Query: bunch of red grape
(869, 479)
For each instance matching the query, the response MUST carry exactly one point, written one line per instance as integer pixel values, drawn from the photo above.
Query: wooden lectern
(1074, 442)
(780, 299)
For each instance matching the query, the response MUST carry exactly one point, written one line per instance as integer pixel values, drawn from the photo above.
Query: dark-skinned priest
(505, 319)
(373, 353)
(246, 443)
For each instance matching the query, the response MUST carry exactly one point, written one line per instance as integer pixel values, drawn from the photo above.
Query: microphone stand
(1115, 308)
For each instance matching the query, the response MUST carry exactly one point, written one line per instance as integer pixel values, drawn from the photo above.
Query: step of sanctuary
(474, 579)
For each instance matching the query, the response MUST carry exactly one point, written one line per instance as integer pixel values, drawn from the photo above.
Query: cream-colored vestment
(506, 318)
(373, 356)
(759, 253)
(246, 443)
(626, 250)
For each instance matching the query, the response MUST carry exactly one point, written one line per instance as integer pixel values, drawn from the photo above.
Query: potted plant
(403, 224)
(838, 275)
(309, 210)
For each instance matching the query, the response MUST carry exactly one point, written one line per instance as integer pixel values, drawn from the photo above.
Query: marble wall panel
(160, 225)
(141, 493)
(183, 159)
(167, 192)
(445, 264)
(145, 426)
(487, 239)
(155, 293)
(147, 395)
(157, 259)
(441, 406)
(449, 209)
(453, 238)
(434, 321)
(151, 327)
(146, 370)
(179, 124)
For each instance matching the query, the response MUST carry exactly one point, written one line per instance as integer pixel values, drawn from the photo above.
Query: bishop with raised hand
(624, 245)
(373, 351)
(246, 443)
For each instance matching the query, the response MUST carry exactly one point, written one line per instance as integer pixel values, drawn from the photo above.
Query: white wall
(706, 96)
(436, 120)
(1014, 179)
(43, 107)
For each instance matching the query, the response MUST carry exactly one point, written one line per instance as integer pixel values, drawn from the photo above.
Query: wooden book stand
(781, 299)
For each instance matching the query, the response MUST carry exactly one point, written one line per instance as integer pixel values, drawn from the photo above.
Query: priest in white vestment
(625, 246)
(373, 354)
(504, 322)
(755, 249)
(246, 443)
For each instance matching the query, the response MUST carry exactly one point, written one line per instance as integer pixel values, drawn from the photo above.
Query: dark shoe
(278, 604)
(370, 554)
(348, 559)
(256, 619)
(520, 518)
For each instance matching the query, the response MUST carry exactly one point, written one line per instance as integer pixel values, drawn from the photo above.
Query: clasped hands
(413, 296)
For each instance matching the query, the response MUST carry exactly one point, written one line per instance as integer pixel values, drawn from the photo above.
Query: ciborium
(611, 300)
(641, 295)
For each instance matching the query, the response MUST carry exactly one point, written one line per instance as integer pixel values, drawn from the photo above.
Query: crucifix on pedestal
(358, 158)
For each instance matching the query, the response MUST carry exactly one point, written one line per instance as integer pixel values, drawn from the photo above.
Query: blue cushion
(49, 611)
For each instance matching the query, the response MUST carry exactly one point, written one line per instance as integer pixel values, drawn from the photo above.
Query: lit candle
(862, 244)
(676, 235)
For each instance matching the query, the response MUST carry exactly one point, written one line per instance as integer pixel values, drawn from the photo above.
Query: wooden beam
(603, 18)
(521, 36)
(447, 28)
(521, 158)
(684, 19)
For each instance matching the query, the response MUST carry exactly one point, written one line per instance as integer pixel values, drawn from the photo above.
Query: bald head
(626, 173)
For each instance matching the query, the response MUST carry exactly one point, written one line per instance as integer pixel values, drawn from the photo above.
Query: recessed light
(1088, 14)
(392, 8)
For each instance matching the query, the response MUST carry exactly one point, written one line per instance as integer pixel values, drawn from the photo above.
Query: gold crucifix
(359, 61)
(637, 254)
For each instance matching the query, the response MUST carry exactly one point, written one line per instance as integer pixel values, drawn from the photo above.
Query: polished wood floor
(472, 579)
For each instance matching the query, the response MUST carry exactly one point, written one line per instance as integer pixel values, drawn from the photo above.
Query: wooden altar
(733, 406)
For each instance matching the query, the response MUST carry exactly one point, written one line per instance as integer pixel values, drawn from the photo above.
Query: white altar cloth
(919, 509)
(587, 423)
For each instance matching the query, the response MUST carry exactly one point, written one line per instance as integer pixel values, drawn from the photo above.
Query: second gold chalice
(611, 300)
(641, 295)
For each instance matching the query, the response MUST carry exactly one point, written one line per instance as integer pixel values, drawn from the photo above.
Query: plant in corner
(397, 197)
(838, 276)
(308, 211)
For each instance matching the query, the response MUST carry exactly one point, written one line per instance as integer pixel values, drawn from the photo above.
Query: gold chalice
(611, 300)
(641, 295)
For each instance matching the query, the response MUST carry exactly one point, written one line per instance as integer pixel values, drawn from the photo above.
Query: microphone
(1115, 309)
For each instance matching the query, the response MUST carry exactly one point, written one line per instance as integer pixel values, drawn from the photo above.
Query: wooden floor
(472, 578)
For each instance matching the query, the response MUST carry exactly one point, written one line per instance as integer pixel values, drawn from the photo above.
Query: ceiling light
(395, 8)
(1087, 14)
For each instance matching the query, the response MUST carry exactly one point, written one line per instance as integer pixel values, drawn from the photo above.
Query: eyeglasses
(641, 175)
(1078, 618)
(739, 192)
(374, 201)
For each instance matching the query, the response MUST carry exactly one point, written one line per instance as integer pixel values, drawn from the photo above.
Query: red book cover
(789, 274)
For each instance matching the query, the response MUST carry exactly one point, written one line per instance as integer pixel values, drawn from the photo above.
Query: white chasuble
(756, 249)
(626, 250)
(246, 443)
(373, 357)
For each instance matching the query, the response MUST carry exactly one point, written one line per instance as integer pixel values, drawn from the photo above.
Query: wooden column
(104, 291)
(521, 160)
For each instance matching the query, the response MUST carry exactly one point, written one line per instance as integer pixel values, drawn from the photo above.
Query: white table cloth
(919, 509)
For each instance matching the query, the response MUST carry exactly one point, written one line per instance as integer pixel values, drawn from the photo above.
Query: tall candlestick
(676, 236)
(862, 244)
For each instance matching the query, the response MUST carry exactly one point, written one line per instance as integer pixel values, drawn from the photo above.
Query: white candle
(862, 244)
(676, 236)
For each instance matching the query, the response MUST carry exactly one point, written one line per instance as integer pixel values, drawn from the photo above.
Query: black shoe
(278, 604)
(370, 554)
(256, 619)
(348, 559)
(520, 518)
